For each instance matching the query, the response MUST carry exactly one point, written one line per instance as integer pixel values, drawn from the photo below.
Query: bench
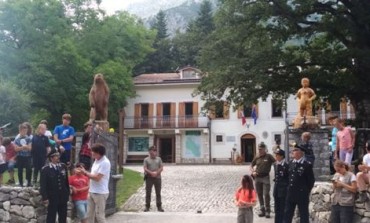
(135, 158)
(222, 160)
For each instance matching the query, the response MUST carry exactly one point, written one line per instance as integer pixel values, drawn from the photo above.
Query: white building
(165, 114)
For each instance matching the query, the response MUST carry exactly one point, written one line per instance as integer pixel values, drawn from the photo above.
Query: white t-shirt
(2, 154)
(101, 166)
(366, 159)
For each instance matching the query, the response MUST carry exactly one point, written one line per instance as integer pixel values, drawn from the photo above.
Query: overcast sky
(113, 5)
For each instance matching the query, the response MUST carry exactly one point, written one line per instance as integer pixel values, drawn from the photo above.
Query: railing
(162, 122)
(323, 116)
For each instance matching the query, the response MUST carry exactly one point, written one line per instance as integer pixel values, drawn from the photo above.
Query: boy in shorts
(79, 184)
(2, 160)
(11, 156)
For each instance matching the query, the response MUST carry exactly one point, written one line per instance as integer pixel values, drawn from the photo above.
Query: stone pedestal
(306, 122)
(320, 145)
(101, 125)
(110, 141)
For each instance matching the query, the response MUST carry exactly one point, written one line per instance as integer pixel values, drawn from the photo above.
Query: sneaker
(160, 210)
(146, 209)
(267, 215)
(29, 185)
(261, 214)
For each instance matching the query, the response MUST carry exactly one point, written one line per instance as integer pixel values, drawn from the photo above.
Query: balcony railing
(163, 122)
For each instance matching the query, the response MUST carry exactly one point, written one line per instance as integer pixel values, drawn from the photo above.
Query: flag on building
(254, 114)
(243, 117)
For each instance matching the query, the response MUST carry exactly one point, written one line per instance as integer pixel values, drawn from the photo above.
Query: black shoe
(267, 215)
(146, 209)
(29, 185)
(261, 214)
(160, 210)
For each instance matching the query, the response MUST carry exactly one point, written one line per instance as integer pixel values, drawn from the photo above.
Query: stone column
(320, 144)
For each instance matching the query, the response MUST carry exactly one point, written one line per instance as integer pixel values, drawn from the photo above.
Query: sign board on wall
(230, 138)
(192, 144)
(138, 144)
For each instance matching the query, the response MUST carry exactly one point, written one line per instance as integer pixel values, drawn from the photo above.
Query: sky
(113, 5)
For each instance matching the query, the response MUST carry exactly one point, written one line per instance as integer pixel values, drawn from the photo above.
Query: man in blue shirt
(333, 144)
(63, 136)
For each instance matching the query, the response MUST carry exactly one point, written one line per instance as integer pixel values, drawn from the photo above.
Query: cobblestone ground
(206, 188)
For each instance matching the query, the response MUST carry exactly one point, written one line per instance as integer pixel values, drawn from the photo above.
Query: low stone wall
(23, 205)
(320, 205)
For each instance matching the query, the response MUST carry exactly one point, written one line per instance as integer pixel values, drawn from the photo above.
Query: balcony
(165, 122)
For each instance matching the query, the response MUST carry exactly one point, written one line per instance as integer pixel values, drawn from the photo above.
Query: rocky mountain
(178, 12)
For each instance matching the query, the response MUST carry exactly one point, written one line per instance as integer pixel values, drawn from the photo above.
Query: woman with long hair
(345, 188)
(245, 199)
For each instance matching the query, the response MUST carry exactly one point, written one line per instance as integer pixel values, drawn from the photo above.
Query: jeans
(81, 209)
(24, 162)
(245, 215)
(341, 214)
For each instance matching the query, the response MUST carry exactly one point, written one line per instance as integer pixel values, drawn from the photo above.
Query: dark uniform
(280, 187)
(54, 187)
(301, 181)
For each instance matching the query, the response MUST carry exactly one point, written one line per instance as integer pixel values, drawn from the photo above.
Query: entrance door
(248, 147)
(166, 149)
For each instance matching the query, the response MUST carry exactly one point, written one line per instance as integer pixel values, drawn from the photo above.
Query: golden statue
(305, 96)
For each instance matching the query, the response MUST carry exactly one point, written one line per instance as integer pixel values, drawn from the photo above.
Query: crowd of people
(294, 180)
(49, 156)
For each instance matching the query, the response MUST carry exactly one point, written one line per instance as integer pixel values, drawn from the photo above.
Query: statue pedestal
(102, 125)
(320, 146)
(306, 122)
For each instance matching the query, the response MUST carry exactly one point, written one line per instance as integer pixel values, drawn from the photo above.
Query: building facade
(165, 114)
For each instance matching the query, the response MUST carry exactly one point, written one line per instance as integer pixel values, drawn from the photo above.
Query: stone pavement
(187, 189)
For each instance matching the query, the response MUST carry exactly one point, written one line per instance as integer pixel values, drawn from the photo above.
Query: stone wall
(320, 205)
(320, 144)
(23, 205)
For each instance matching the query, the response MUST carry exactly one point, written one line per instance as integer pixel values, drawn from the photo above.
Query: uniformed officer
(301, 181)
(281, 168)
(54, 188)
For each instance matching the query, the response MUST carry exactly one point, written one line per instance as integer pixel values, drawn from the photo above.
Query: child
(245, 199)
(85, 152)
(307, 146)
(2, 160)
(11, 156)
(23, 149)
(79, 184)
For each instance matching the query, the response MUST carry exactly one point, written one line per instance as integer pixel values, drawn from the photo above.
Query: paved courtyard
(188, 189)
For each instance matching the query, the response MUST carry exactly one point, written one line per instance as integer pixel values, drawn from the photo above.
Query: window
(189, 109)
(189, 74)
(219, 138)
(247, 109)
(277, 139)
(144, 110)
(166, 109)
(219, 109)
(276, 108)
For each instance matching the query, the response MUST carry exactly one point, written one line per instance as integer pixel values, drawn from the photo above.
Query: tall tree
(263, 47)
(160, 60)
(187, 46)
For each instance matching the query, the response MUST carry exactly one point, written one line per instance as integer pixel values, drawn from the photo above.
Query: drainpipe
(209, 124)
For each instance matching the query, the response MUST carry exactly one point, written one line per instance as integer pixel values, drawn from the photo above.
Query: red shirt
(78, 182)
(85, 150)
(10, 151)
(242, 195)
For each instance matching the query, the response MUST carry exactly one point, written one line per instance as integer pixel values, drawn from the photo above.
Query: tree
(266, 47)
(16, 106)
(187, 46)
(160, 60)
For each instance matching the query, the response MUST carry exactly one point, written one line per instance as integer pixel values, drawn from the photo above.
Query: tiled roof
(160, 78)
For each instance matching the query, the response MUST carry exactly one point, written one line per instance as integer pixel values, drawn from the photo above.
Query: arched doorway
(248, 147)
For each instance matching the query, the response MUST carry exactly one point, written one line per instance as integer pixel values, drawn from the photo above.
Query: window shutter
(173, 114)
(181, 117)
(159, 114)
(240, 111)
(226, 110)
(137, 115)
(212, 111)
(150, 114)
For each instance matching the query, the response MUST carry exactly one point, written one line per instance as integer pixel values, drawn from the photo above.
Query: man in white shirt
(99, 181)
(363, 176)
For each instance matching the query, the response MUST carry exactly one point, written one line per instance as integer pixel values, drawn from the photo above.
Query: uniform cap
(53, 152)
(280, 152)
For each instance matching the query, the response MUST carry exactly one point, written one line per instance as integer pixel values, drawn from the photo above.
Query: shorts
(11, 165)
(3, 168)
(81, 209)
